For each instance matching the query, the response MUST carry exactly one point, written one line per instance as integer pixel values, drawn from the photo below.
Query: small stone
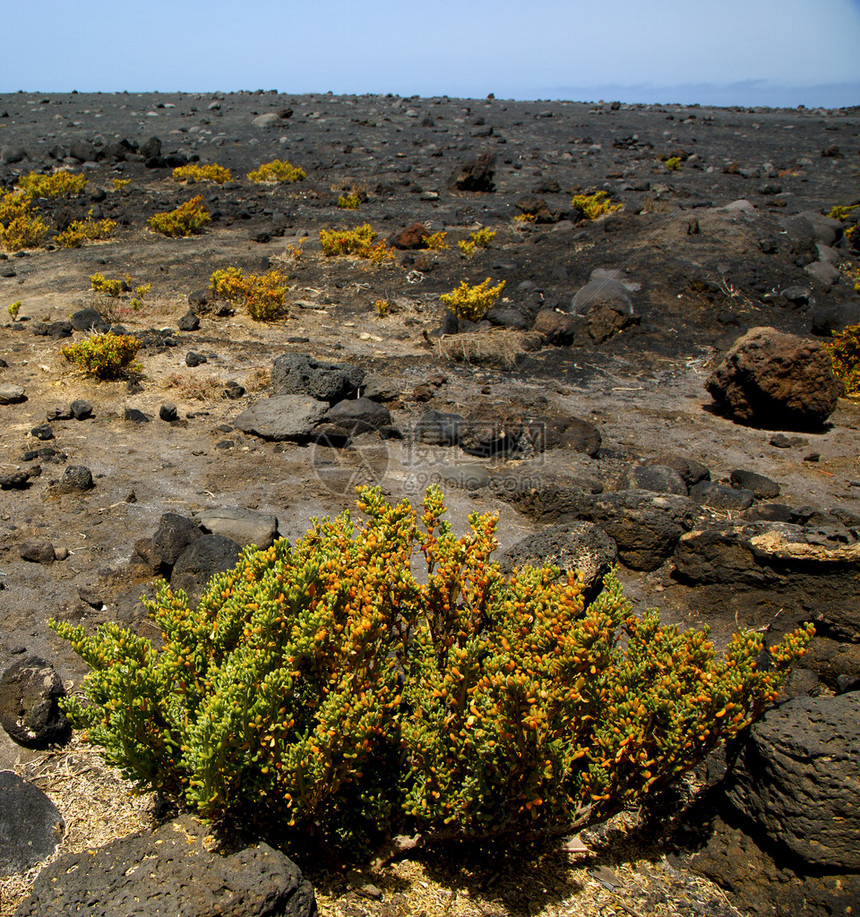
(38, 552)
(195, 359)
(43, 432)
(721, 496)
(781, 441)
(12, 394)
(188, 322)
(76, 478)
(763, 488)
(168, 412)
(81, 410)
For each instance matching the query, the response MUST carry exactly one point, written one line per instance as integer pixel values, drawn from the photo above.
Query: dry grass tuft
(498, 348)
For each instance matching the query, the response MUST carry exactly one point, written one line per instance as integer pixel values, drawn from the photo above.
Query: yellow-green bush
(481, 238)
(473, 302)
(323, 686)
(360, 241)
(185, 220)
(262, 295)
(673, 163)
(101, 284)
(20, 225)
(194, 172)
(843, 211)
(57, 184)
(13, 309)
(593, 206)
(88, 230)
(349, 201)
(845, 352)
(277, 170)
(105, 356)
(436, 241)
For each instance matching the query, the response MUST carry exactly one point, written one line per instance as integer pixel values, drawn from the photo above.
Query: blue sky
(745, 52)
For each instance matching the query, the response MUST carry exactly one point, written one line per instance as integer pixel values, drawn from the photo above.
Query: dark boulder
(537, 207)
(475, 175)
(37, 552)
(200, 561)
(555, 328)
(83, 151)
(656, 478)
(30, 713)
(645, 526)
(300, 374)
(691, 470)
(830, 317)
(30, 825)
(760, 881)
(88, 320)
(797, 779)
(573, 433)
(173, 871)
(349, 418)
(188, 322)
(174, 534)
(763, 488)
(558, 486)
(574, 546)
(81, 409)
(721, 496)
(808, 568)
(283, 418)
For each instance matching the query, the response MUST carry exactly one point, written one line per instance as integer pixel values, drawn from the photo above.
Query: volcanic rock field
(583, 409)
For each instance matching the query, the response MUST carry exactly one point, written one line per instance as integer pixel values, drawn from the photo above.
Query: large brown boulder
(776, 380)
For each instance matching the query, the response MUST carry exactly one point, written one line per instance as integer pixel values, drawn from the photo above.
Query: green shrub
(845, 352)
(101, 284)
(20, 225)
(360, 241)
(349, 201)
(594, 206)
(88, 230)
(186, 219)
(673, 163)
(13, 309)
(436, 241)
(481, 238)
(262, 295)
(323, 686)
(105, 356)
(473, 302)
(842, 211)
(277, 170)
(58, 184)
(209, 172)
